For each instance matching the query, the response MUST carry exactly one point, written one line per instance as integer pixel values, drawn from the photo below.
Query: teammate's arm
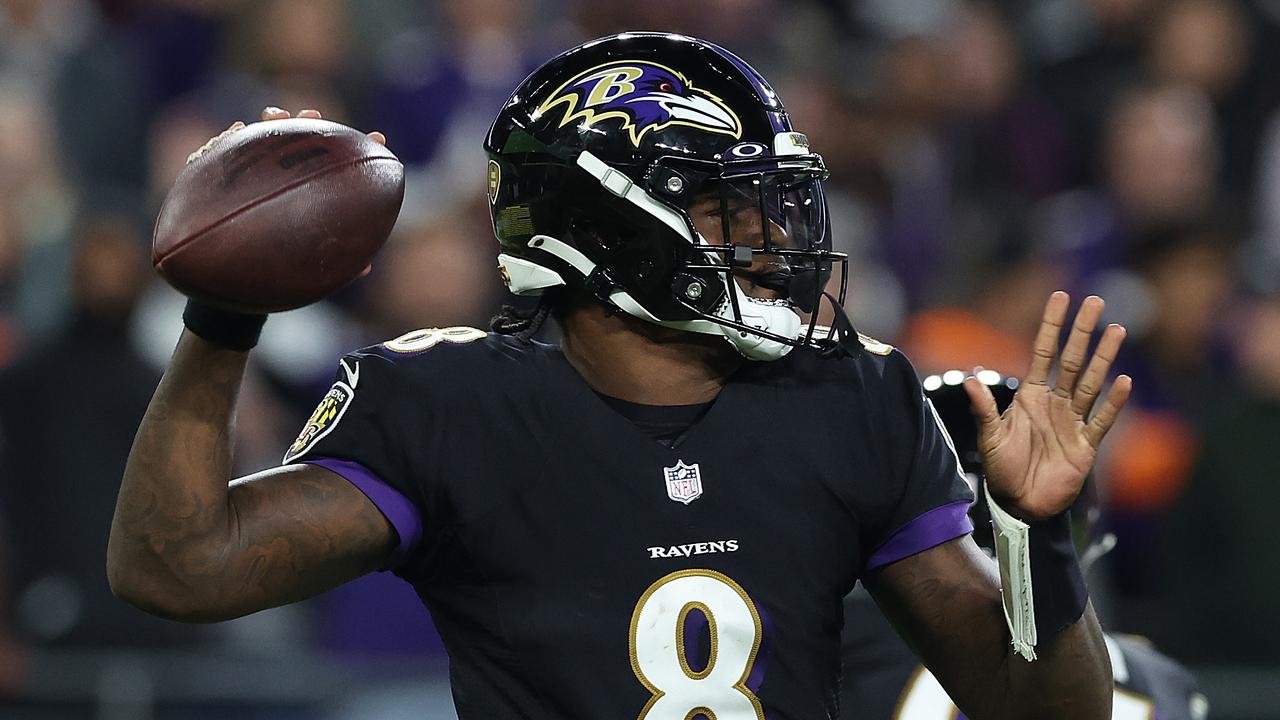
(189, 545)
(946, 601)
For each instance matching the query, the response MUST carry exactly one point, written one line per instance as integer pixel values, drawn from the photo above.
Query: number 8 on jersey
(719, 690)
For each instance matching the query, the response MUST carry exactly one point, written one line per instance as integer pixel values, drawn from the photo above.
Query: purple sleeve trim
(932, 528)
(399, 511)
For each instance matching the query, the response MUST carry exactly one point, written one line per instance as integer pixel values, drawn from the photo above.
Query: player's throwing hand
(1038, 453)
(270, 113)
(275, 113)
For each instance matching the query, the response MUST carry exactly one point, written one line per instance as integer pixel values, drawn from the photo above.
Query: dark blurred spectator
(14, 652)
(36, 206)
(35, 36)
(1160, 158)
(917, 223)
(101, 109)
(1261, 263)
(1201, 43)
(68, 411)
(1091, 52)
(1222, 584)
(750, 27)
(431, 78)
(10, 266)
(1187, 275)
(435, 275)
(966, 144)
(1208, 45)
(1184, 277)
(1011, 140)
(296, 53)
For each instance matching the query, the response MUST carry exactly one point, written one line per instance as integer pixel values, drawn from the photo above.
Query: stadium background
(982, 154)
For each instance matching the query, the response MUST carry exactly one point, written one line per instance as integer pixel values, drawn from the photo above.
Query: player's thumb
(983, 406)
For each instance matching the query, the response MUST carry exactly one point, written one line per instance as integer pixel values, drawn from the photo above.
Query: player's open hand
(1039, 452)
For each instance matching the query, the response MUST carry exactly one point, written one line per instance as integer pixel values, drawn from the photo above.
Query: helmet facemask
(761, 255)
(739, 248)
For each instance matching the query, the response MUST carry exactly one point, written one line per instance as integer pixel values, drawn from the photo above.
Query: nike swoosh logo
(353, 376)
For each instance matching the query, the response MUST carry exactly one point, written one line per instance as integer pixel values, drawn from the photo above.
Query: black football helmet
(951, 405)
(607, 160)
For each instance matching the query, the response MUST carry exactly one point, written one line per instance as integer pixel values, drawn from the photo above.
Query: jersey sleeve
(359, 431)
(932, 499)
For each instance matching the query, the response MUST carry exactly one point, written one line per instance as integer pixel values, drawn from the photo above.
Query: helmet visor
(770, 229)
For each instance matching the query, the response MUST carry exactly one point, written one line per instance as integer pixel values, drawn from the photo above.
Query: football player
(695, 466)
(883, 680)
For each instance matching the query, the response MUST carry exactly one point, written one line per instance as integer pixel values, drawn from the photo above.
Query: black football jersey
(578, 568)
(884, 681)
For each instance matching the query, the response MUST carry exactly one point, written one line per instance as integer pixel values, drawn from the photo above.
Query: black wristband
(231, 330)
(1056, 580)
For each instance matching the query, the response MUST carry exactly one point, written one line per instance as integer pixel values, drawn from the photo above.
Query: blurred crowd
(982, 154)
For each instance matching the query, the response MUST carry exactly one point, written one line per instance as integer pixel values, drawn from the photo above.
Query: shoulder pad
(869, 344)
(874, 346)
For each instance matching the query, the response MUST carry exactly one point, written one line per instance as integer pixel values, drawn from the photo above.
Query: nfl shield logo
(684, 482)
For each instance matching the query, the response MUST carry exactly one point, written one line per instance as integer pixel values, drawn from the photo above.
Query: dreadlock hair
(523, 323)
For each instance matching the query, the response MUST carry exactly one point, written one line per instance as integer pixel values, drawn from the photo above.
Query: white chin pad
(523, 277)
(774, 316)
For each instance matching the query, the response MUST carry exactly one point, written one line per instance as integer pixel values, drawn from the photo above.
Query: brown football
(277, 215)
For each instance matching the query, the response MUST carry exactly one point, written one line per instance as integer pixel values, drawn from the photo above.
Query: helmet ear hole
(589, 230)
(695, 291)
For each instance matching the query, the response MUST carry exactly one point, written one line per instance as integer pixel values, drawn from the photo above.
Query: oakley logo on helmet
(748, 150)
(645, 96)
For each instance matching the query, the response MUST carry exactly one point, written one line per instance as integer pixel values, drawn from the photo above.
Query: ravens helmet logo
(645, 96)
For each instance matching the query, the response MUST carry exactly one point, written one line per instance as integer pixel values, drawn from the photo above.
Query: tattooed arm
(186, 544)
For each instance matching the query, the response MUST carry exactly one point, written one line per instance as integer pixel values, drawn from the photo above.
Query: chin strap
(842, 337)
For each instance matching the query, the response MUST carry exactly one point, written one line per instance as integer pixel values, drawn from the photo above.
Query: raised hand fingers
(1117, 396)
(378, 137)
(1090, 384)
(1046, 345)
(310, 114)
(1073, 353)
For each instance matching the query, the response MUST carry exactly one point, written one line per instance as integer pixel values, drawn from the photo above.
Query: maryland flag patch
(327, 414)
